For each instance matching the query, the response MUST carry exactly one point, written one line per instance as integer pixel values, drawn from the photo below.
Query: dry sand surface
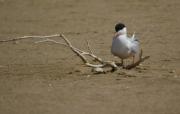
(49, 79)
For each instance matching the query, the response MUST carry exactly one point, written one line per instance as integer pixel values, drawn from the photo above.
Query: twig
(28, 37)
(89, 47)
(82, 54)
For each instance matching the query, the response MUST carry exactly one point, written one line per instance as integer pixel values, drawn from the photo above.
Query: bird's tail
(133, 37)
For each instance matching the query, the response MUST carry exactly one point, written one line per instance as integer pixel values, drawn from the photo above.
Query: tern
(123, 46)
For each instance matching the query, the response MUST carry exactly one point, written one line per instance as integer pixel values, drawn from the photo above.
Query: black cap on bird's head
(119, 26)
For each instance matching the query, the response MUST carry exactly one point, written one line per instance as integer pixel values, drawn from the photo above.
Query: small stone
(70, 72)
(145, 68)
(98, 70)
(172, 71)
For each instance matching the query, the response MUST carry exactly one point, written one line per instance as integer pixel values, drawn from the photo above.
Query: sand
(50, 79)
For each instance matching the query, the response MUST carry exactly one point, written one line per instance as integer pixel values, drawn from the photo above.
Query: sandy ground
(50, 79)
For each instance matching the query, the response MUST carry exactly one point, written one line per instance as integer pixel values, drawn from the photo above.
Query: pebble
(172, 71)
(98, 70)
(70, 72)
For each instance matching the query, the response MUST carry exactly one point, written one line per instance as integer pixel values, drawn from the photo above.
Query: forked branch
(100, 67)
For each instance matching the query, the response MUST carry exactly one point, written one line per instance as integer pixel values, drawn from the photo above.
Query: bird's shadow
(128, 67)
(137, 63)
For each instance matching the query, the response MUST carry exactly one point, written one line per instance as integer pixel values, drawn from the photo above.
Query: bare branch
(90, 50)
(28, 37)
(99, 68)
(50, 40)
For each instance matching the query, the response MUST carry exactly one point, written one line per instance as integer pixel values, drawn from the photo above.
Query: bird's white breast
(121, 46)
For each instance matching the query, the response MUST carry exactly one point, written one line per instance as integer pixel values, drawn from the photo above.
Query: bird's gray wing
(135, 48)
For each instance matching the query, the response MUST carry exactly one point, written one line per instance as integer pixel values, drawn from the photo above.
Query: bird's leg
(133, 59)
(122, 62)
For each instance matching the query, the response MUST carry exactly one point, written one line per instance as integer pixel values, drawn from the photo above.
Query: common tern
(123, 46)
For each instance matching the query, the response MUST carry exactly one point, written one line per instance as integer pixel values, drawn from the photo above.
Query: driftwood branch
(28, 37)
(100, 67)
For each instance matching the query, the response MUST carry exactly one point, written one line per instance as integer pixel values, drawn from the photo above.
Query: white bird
(123, 46)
